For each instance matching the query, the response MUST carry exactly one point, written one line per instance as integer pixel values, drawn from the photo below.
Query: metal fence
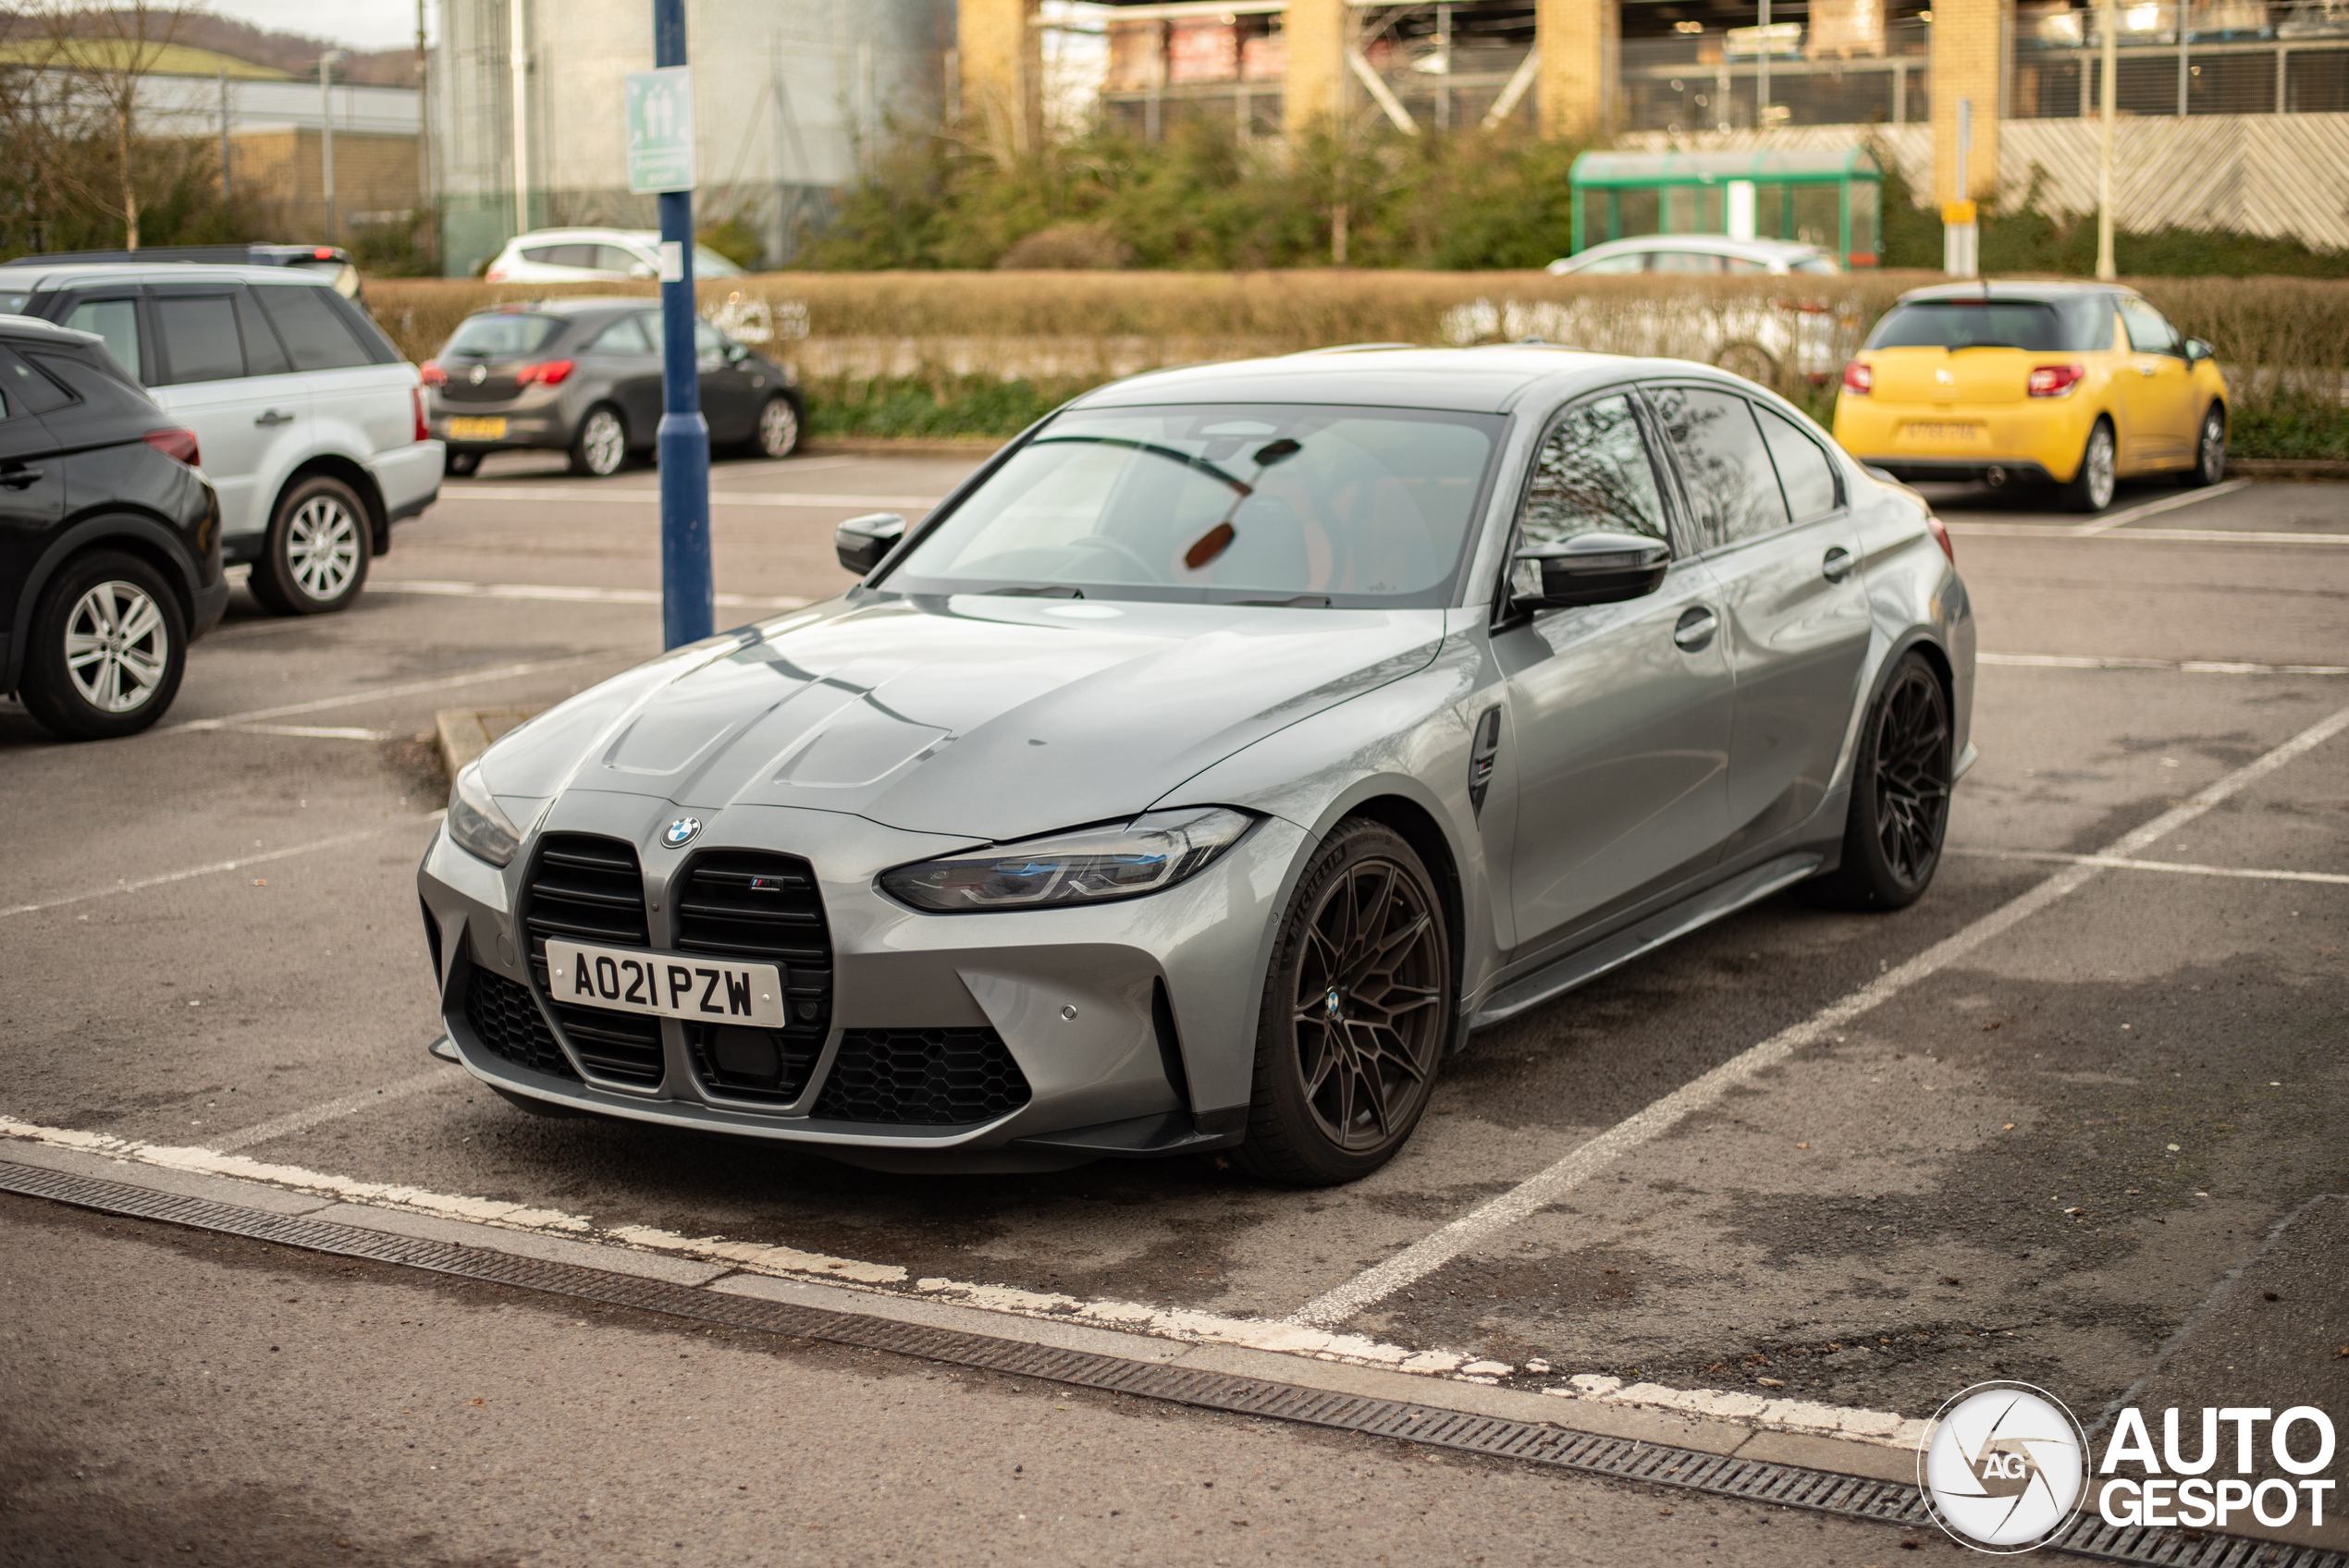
(1784, 74)
(2229, 57)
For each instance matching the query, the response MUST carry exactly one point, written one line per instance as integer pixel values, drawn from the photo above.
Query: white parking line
(314, 731)
(1430, 1252)
(643, 496)
(2181, 868)
(2157, 535)
(334, 1109)
(218, 865)
(356, 699)
(2179, 667)
(565, 594)
(2127, 515)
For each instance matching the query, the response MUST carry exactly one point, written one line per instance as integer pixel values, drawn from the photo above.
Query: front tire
(109, 646)
(2090, 489)
(315, 560)
(1358, 1011)
(2209, 449)
(1900, 795)
(777, 434)
(600, 450)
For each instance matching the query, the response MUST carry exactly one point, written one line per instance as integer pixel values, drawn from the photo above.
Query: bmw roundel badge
(680, 832)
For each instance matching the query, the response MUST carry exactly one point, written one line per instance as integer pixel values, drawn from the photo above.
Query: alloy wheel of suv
(315, 558)
(601, 445)
(108, 648)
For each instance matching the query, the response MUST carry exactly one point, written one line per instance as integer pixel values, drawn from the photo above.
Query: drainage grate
(1749, 1480)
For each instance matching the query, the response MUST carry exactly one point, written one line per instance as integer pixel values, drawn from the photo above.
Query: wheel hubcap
(2214, 447)
(117, 647)
(606, 442)
(322, 547)
(1912, 776)
(2100, 469)
(1368, 1016)
(777, 429)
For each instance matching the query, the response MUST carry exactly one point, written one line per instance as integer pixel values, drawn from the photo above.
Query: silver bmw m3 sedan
(1211, 762)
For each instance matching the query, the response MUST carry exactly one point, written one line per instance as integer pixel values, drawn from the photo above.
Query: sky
(359, 24)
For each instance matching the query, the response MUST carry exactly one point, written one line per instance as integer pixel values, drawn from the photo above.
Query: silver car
(1211, 762)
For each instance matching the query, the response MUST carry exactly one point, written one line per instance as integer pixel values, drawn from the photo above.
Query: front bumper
(1131, 1024)
(2037, 439)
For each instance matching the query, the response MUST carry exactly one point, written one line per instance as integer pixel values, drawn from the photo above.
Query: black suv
(109, 538)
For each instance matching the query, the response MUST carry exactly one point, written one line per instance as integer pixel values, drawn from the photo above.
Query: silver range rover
(1211, 764)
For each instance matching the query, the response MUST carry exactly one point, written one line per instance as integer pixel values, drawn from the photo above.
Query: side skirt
(1582, 967)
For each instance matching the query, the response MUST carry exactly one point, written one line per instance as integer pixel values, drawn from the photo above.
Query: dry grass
(1076, 327)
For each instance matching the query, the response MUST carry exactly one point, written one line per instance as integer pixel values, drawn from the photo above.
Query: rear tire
(315, 560)
(109, 648)
(1356, 1013)
(2209, 449)
(777, 432)
(2090, 489)
(1899, 796)
(600, 450)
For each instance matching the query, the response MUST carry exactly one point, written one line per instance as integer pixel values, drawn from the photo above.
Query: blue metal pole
(687, 606)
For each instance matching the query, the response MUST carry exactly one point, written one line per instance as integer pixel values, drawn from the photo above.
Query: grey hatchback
(583, 376)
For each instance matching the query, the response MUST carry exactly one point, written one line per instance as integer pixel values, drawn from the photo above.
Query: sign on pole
(660, 130)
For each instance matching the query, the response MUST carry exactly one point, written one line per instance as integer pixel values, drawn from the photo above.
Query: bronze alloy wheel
(1358, 1011)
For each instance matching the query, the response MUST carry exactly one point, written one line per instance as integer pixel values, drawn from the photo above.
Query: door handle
(1838, 566)
(1695, 628)
(18, 478)
(2149, 370)
(274, 417)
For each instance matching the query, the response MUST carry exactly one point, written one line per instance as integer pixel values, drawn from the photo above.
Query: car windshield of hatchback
(1281, 503)
(2072, 326)
(502, 335)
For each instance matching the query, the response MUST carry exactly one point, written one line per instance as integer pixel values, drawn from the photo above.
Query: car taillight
(551, 373)
(2054, 381)
(174, 442)
(1858, 379)
(416, 397)
(494, 275)
(432, 374)
(1941, 537)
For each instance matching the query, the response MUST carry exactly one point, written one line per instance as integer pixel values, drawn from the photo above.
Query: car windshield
(2069, 327)
(502, 335)
(1224, 503)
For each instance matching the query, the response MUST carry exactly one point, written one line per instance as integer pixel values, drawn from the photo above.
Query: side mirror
(2197, 351)
(1590, 569)
(643, 272)
(736, 353)
(861, 543)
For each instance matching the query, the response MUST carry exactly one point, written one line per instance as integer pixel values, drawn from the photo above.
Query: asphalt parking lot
(2080, 1098)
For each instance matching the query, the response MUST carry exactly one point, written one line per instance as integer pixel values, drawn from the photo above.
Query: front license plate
(665, 984)
(1964, 434)
(476, 428)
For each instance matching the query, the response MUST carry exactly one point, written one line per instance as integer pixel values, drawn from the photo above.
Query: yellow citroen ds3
(2075, 385)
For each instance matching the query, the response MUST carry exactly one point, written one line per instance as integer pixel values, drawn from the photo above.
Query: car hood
(980, 716)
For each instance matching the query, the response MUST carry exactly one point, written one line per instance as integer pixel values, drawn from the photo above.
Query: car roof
(33, 326)
(1718, 244)
(65, 272)
(537, 235)
(568, 306)
(1484, 380)
(2014, 288)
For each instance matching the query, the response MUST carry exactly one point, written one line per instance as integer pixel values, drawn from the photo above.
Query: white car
(1695, 254)
(591, 255)
(308, 424)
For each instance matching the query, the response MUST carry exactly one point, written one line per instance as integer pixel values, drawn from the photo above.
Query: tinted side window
(116, 321)
(625, 335)
(1683, 261)
(28, 391)
(611, 258)
(1804, 469)
(263, 354)
(1591, 475)
(110, 400)
(2148, 332)
(315, 335)
(1732, 487)
(199, 338)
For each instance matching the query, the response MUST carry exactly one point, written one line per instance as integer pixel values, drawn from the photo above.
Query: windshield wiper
(1301, 602)
(1049, 591)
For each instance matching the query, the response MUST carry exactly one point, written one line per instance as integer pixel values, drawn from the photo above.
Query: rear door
(221, 372)
(2157, 390)
(32, 480)
(623, 353)
(1795, 611)
(1621, 714)
(359, 405)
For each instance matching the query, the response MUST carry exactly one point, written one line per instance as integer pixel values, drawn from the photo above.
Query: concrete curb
(465, 733)
(2289, 467)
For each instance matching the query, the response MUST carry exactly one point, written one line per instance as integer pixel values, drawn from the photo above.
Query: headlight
(1089, 866)
(477, 822)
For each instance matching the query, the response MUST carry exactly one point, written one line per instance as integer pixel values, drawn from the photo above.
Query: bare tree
(77, 73)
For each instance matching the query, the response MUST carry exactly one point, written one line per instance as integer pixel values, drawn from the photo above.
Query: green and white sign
(660, 130)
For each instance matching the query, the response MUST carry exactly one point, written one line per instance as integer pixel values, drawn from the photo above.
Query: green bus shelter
(1832, 197)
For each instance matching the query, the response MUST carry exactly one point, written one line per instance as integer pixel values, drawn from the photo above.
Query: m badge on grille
(680, 832)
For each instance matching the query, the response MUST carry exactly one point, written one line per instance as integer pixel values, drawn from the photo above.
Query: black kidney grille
(764, 907)
(588, 887)
(506, 1020)
(932, 1077)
